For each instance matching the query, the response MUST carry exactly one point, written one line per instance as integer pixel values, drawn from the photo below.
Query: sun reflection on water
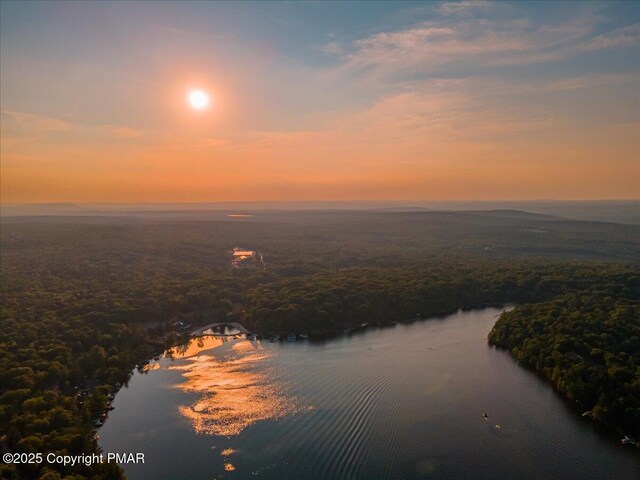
(195, 346)
(236, 386)
(149, 367)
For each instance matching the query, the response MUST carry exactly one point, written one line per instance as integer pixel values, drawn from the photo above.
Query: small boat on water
(497, 427)
(588, 413)
(485, 416)
(627, 440)
(303, 336)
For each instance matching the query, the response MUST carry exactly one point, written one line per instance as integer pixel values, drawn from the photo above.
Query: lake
(405, 402)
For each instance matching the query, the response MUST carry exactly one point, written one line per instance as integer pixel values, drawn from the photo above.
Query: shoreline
(334, 334)
(608, 433)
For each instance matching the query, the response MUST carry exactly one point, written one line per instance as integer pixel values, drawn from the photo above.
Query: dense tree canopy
(587, 343)
(85, 300)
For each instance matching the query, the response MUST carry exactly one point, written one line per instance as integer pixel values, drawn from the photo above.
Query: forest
(587, 344)
(86, 299)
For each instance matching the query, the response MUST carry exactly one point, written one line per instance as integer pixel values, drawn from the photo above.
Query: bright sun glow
(198, 99)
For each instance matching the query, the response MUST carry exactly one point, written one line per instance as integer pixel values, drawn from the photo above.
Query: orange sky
(443, 108)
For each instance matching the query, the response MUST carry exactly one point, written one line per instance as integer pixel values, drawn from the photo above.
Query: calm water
(398, 403)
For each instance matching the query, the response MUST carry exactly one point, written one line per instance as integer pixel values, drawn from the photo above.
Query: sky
(319, 101)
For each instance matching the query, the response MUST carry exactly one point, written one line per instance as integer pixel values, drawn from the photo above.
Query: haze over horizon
(399, 101)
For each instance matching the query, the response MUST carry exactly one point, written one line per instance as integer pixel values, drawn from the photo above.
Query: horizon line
(216, 202)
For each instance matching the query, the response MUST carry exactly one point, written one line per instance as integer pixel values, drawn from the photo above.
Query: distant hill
(616, 211)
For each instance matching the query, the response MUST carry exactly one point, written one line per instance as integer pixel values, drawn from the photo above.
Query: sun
(198, 99)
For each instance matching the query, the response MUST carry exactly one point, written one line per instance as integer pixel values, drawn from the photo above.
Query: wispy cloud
(420, 121)
(24, 126)
(453, 8)
(120, 131)
(38, 122)
(621, 37)
(446, 42)
(332, 48)
(590, 81)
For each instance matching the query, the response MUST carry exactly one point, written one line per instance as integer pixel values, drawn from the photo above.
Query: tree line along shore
(82, 305)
